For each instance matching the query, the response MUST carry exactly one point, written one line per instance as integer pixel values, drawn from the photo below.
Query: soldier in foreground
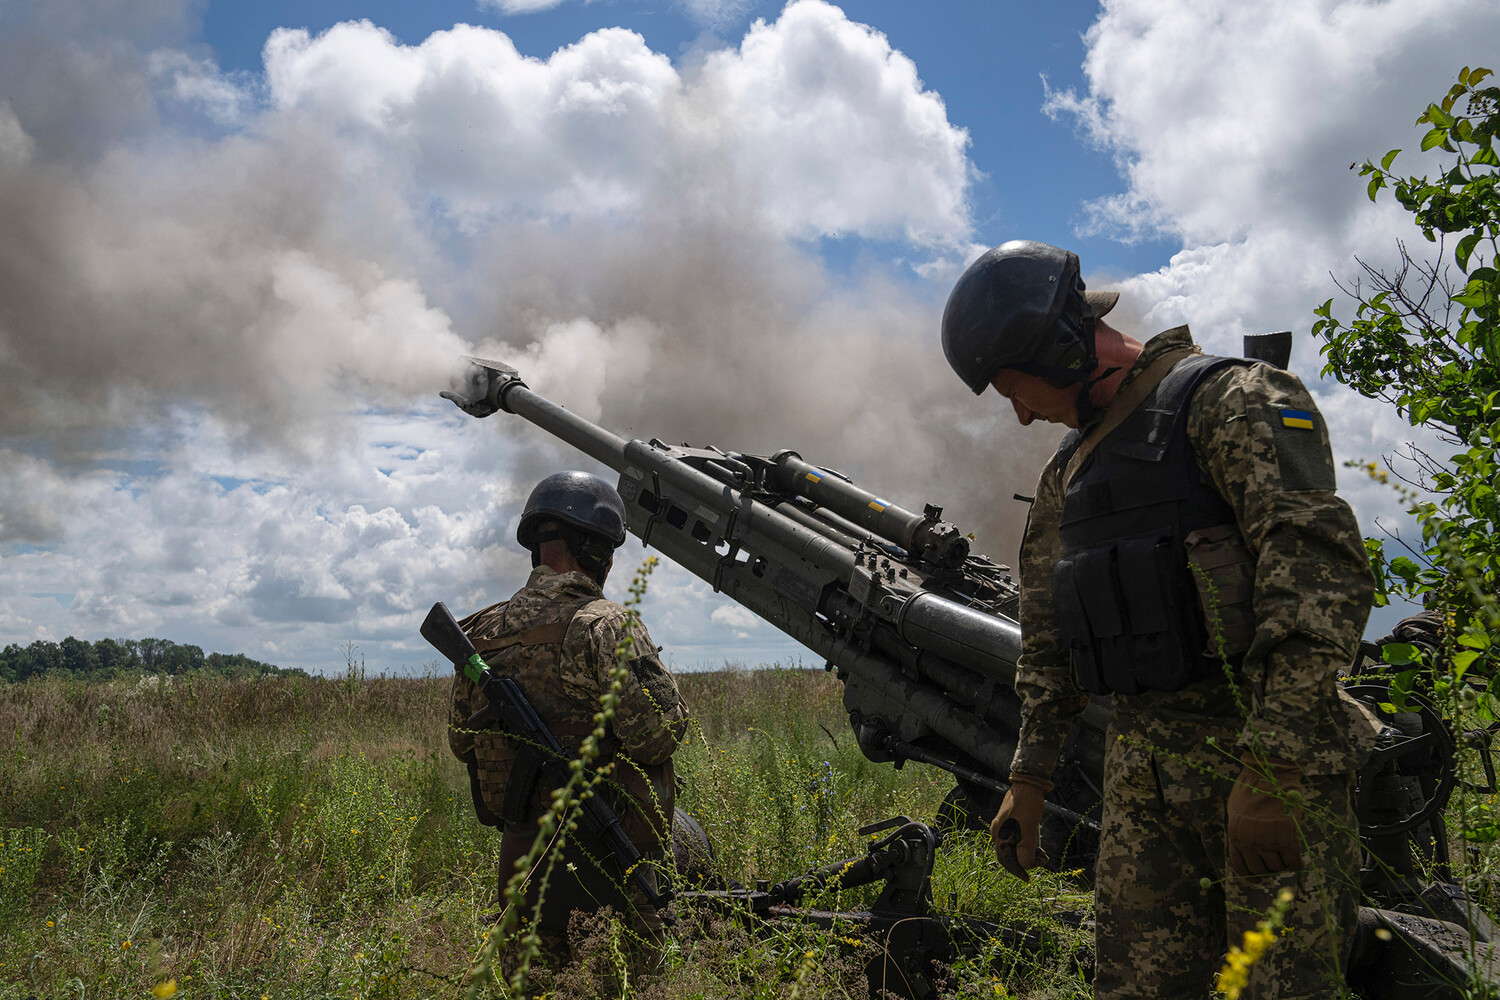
(1186, 553)
(557, 638)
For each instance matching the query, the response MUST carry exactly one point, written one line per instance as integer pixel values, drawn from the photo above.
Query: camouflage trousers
(582, 882)
(1167, 907)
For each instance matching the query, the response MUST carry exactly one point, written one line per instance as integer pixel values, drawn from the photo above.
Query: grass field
(308, 837)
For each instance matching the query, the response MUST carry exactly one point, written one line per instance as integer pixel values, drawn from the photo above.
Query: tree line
(107, 658)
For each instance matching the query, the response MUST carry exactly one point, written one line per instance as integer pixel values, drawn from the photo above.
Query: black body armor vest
(1127, 604)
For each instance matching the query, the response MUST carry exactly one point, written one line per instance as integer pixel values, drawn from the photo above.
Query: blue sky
(242, 246)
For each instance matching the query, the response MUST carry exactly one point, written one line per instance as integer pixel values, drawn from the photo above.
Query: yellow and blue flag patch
(1301, 419)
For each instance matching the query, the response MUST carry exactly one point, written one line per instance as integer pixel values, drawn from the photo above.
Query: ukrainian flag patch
(1300, 419)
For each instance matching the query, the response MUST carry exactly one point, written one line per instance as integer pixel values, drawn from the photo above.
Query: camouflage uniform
(1172, 757)
(557, 638)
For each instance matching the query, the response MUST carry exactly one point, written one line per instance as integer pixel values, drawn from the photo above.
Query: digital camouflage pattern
(565, 681)
(1161, 933)
(1173, 756)
(1312, 587)
(565, 684)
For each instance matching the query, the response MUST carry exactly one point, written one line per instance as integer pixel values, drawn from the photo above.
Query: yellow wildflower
(1235, 975)
(164, 990)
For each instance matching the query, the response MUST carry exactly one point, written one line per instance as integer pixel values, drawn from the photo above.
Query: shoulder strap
(541, 635)
(1122, 406)
(537, 635)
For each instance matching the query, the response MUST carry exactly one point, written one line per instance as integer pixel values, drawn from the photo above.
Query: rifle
(541, 756)
(919, 629)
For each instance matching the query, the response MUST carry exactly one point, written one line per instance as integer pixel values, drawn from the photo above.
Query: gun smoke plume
(190, 257)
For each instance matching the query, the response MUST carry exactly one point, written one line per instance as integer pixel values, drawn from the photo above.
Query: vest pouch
(1123, 616)
(1071, 575)
(460, 706)
(1224, 575)
(494, 753)
(1156, 610)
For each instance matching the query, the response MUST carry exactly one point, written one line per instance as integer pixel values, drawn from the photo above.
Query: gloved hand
(1264, 813)
(1017, 824)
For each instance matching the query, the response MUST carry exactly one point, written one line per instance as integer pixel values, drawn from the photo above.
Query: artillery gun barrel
(802, 570)
(980, 641)
(589, 438)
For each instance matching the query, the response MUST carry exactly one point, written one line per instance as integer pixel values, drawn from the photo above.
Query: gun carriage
(921, 631)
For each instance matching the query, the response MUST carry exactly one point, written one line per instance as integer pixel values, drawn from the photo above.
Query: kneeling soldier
(560, 639)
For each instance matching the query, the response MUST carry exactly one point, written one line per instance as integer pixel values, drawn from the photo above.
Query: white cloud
(226, 304)
(520, 6)
(814, 117)
(1235, 126)
(835, 128)
(1225, 114)
(16, 146)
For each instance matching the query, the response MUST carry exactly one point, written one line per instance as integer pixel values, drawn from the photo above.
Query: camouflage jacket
(566, 682)
(1311, 594)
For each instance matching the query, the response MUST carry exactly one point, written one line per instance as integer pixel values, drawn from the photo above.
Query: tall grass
(303, 837)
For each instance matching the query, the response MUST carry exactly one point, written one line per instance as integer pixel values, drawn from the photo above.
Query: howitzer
(918, 628)
(921, 632)
(542, 756)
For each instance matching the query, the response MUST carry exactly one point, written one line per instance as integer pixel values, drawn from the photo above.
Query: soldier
(1185, 553)
(558, 638)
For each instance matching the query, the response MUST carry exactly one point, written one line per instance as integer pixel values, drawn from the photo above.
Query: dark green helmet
(1022, 305)
(590, 511)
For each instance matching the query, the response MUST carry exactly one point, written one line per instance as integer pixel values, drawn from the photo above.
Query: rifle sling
(1122, 406)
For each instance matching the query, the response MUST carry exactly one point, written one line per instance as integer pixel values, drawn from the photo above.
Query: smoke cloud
(226, 304)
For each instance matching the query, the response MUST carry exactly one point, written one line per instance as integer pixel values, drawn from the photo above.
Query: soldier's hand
(1264, 813)
(1017, 825)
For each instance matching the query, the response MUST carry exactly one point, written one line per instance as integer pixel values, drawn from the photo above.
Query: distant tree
(1426, 337)
(116, 656)
(107, 658)
(78, 658)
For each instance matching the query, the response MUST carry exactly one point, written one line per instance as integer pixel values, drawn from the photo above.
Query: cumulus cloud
(220, 329)
(1235, 126)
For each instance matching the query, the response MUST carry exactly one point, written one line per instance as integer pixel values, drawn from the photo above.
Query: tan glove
(1264, 813)
(1016, 826)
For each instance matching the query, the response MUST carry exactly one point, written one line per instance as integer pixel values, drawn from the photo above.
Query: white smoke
(220, 303)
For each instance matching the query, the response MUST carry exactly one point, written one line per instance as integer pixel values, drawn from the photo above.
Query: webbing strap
(541, 635)
(1122, 406)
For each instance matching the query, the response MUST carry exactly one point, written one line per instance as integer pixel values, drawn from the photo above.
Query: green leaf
(1474, 639)
(1438, 116)
(1465, 248)
(1388, 159)
(1376, 183)
(1435, 137)
(1464, 659)
(1478, 73)
(1398, 654)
